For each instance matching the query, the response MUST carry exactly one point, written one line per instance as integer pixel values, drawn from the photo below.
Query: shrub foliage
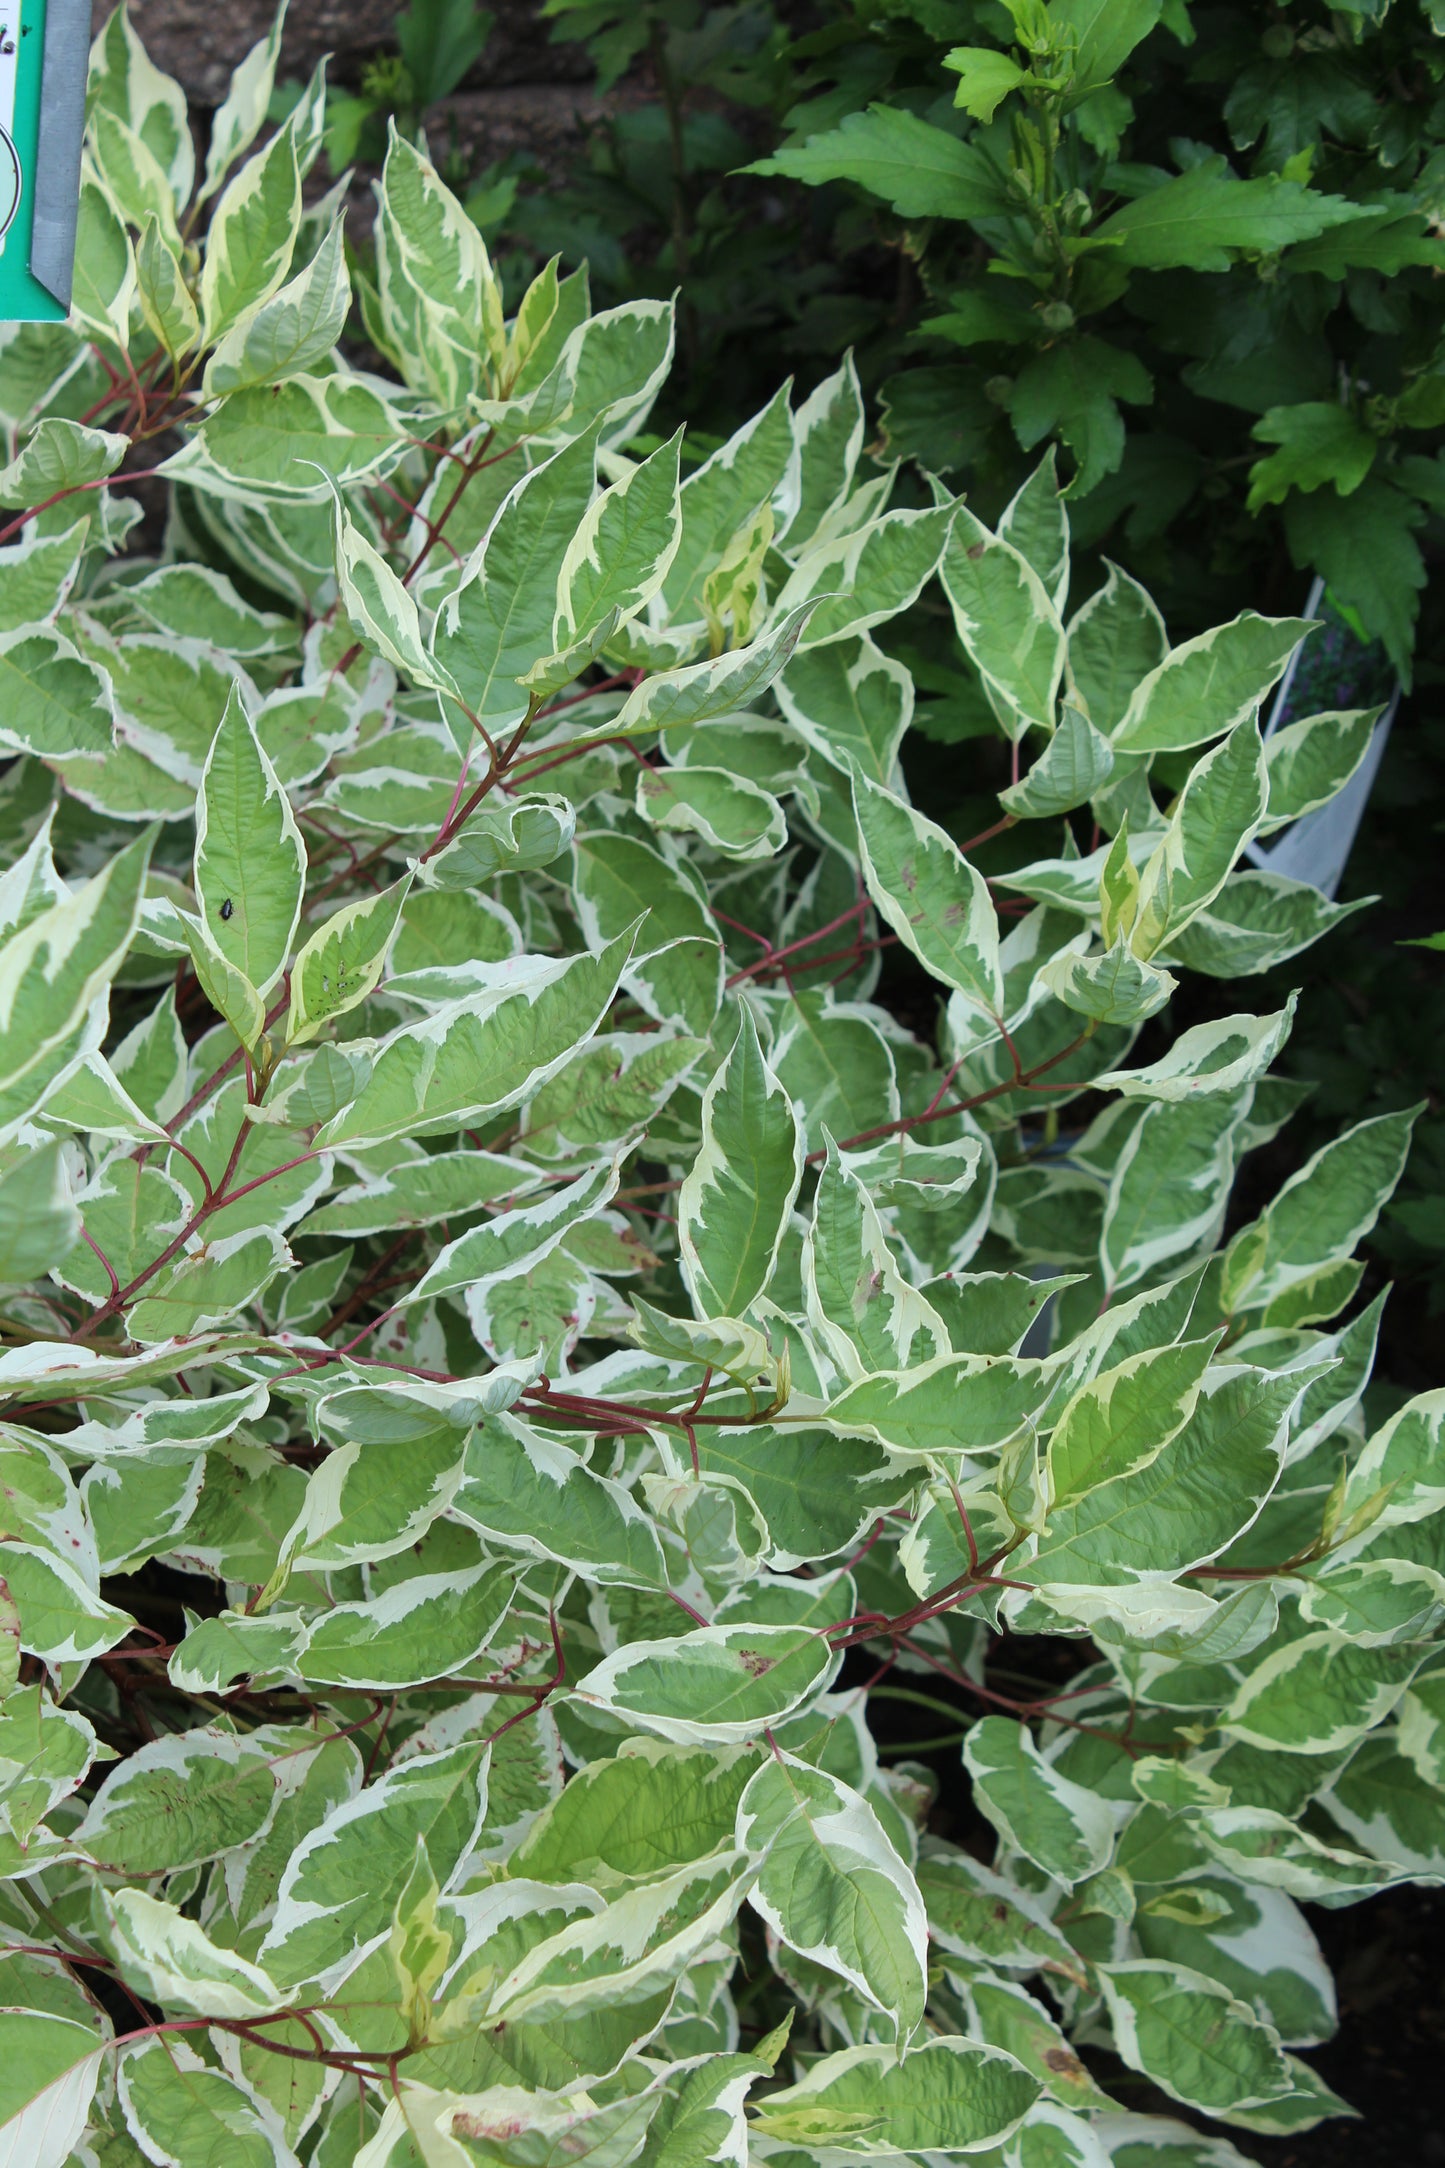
(513, 1356)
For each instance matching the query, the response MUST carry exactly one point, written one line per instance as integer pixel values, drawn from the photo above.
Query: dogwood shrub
(513, 1356)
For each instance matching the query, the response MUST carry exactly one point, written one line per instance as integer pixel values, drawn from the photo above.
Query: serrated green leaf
(923, 171)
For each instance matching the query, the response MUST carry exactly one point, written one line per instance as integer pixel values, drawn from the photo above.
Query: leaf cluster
(514, 1358)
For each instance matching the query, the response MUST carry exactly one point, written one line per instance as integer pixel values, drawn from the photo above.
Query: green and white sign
(42, 115)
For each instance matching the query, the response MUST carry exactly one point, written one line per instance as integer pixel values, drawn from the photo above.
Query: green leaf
(1319, 441)
(1311, 761)
(1102, 34)
(1323, 1211)
(515, 1241)
(1365, 549)
(1200, 218)
(833, 1888)
(339, 965)
(174, 1962)
(1189, 2035)
(1073, 389)
(51, 2067)
(1064, 1829)
(526, 1492)
(294, 329)
(734, 1205)
(340, 1888)
(1209, 684)
(250, 859)
(935, 901)
(1005, 620)
(59, 456)
(985, 78)
(251, 237)
(948, 2096)
(181, 2110)
(611, 1089)
(1376, 240)
(498, 618)
(922, 171)
(721, 1683)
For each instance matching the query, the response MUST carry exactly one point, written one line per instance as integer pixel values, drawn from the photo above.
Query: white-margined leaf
(831, 1885)
(739, 1191)
(250, 859)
